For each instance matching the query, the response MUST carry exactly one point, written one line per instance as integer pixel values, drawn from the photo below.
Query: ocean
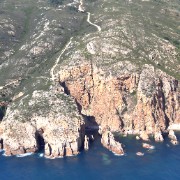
(161, 163)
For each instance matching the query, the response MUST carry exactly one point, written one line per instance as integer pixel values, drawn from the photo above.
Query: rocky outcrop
(111, 144)
(19, 138)
(143, 102)
(158, 137)
(173, 137)
(86, 143)
(49, 119)
(147, 146)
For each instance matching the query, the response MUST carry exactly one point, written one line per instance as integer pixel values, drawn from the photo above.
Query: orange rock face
(138, 101)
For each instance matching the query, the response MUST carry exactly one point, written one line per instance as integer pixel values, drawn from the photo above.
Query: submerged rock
(140, 154)
(147, 146)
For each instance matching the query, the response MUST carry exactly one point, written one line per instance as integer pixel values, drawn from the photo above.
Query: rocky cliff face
(130, 101)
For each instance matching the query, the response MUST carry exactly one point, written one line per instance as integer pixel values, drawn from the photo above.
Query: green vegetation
(34, 34)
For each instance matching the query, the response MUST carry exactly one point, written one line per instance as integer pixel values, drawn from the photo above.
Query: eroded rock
(147, 146)
(111, 144)
(140, 102)
(158, 137)
(173, 137)
(53, 120)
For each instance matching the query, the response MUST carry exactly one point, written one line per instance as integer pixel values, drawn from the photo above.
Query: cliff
(130, 102)
(51, 122)
(74, 65)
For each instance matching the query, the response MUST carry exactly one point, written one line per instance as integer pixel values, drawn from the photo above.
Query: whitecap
(120, 154)
(41, 154)
(24, 155)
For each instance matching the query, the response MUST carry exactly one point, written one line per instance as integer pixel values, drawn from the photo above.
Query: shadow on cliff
(2, 111)
(40, 140)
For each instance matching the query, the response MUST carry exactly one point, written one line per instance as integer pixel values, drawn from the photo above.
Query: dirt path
(52, 75)
(95, 25)
(58, 59)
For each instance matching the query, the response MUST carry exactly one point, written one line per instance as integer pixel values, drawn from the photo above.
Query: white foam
(41, 154)
(120, 154)
(4, 154)
(24, 155)
(152, 147)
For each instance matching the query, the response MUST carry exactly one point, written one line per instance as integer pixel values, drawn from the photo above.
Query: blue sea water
(162, 163)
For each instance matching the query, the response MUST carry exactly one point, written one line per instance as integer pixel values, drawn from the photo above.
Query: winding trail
(88, 20)
(58, 59)
(81, 9)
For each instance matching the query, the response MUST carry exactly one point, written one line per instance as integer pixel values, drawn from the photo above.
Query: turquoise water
(98, 163)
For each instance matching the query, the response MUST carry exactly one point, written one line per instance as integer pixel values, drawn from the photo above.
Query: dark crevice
(66, 90)
(90, 122)
(1, 143)
(2, 111)
(92, 73)
(39, 139)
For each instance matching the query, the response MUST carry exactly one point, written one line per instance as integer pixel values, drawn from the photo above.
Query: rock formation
(111, 144)
(158, 137)
(173, 137)
(140, 154)
(143, 102)
(147, 146)
(53, 119)
(60, 68)
(144, 136)
(19, 138)
(86, 143)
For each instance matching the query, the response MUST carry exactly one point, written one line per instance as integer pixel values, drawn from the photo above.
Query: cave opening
(90, 121)
(91, 126)
(66, 90)
(2, 111)
(40, 140)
